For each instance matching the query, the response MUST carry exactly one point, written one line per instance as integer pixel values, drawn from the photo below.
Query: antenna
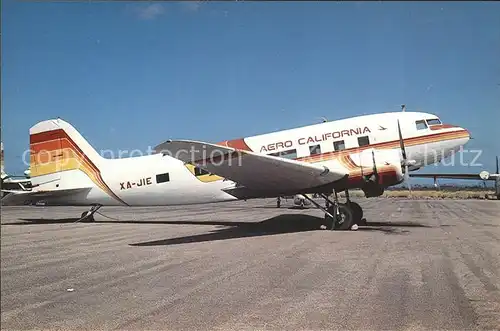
(403, 108)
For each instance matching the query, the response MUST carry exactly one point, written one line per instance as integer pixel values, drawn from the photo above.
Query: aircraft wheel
(344, 219)
(89, 218)
(357, 212)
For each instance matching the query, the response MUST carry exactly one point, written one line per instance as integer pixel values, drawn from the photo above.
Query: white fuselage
(133, 181)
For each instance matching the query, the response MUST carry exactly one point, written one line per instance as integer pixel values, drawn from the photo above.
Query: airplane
(369, 152)
(10, 182)
(483, 175)
(298, 200)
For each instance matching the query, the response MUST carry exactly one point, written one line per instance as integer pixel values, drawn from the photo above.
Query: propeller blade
(407, 178)
(375, 172)
(401, 143)
(497, 165)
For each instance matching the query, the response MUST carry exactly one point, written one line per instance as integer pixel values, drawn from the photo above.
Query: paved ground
(247, 265)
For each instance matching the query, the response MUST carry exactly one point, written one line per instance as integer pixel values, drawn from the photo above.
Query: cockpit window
(421, 125)
(434, 121)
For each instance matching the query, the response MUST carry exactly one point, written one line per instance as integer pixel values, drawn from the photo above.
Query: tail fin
(57, 147)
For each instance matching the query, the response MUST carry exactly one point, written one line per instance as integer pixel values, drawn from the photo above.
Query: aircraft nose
(467, 133)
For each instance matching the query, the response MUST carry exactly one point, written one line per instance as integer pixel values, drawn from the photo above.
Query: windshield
(434, 121)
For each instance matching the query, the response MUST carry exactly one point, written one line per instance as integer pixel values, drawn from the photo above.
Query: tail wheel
(89, 218)
(344, 219)
(357, 212)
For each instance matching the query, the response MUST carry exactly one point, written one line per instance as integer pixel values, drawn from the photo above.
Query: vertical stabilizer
(57, 148)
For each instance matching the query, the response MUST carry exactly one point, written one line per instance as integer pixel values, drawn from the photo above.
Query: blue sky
(131, 75)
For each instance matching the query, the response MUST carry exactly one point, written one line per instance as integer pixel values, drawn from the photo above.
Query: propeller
(497, 166)
(405, 158)
(375, 172)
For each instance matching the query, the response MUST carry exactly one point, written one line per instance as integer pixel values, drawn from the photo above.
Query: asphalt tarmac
(248, 265)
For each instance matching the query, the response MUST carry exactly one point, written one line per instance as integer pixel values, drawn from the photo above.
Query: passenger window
(363, 141)
(314, 150)
(338, 145)
(433, 121)
(291, 154)
(421, 125)
(162, 178)
(199, 171)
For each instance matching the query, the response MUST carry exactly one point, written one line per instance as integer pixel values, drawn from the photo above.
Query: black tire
(357, 212)
(89, 218)
(345, 218)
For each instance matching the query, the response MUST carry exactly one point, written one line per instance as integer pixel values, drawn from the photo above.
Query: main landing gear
(343, 216)
(88, 216)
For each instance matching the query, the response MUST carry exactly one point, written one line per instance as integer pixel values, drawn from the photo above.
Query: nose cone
(466, 133)
(462, 138)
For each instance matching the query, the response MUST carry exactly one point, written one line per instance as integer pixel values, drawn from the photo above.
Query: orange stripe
(46, 146)
(44, 141)
(386, 145)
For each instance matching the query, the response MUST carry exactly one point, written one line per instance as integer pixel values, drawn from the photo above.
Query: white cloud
(151, 11)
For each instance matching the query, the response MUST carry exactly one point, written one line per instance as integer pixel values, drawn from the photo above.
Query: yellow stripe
(203, 178)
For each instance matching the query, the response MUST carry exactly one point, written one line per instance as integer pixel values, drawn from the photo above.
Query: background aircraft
(298, 200)
(9, 182)
(483, 175)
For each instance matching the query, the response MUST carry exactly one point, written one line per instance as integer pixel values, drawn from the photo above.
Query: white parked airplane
(369, 152)
(483, 175)
(9, 182)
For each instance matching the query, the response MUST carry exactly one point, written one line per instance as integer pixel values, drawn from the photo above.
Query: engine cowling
(373, 170)
(299, 199)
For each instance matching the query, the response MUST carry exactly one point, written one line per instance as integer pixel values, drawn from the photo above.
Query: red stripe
(62, 136)
(236, 144)
(408, 141)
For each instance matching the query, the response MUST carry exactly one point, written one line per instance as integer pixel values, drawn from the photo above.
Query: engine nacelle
(373, 170)
(372, 190)
(300, 200)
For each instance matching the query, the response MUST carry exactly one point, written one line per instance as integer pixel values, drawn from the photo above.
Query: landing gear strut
(356, 209)
(340, 215)
(88, 216)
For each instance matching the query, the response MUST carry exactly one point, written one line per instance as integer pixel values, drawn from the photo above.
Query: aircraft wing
(456, 176)
(18, 197)
(256, 172)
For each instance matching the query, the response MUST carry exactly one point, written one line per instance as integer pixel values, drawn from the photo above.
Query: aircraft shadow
(277, 225)
(287, 223)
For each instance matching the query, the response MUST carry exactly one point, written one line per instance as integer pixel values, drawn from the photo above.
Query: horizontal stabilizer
(17, 197)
